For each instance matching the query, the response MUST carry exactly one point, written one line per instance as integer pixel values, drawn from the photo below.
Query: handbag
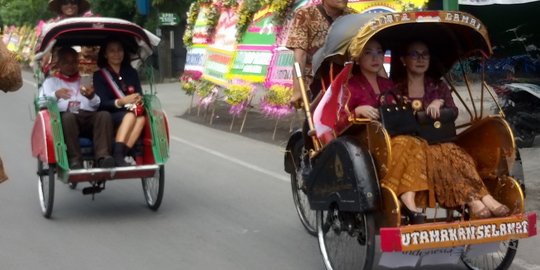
(10, 71)
(437, 130)
(398, 117)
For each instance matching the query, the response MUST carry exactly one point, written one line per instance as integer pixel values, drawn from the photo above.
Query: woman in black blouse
(117, 84)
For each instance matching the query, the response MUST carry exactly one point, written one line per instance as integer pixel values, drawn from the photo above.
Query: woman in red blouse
(453, 172)
(409, 153)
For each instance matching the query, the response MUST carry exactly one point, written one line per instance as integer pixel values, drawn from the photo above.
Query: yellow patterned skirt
(442, 173)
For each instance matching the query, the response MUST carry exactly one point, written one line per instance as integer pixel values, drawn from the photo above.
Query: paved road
(227, 205)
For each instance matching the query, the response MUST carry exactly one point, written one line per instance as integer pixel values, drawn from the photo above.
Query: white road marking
(33, 83)
(233, 159)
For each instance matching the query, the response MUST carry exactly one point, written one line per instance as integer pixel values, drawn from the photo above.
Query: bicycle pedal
(91, 190)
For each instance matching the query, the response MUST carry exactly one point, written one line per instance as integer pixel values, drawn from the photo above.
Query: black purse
(397, 118)
(437, 130)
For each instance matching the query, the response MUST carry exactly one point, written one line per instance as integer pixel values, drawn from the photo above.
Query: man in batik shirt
(308, 34)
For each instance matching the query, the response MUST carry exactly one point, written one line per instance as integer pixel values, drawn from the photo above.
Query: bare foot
(491, 203)
(478, 209)
(498, 209)
(408, 200)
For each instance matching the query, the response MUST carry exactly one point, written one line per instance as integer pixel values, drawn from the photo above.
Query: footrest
(101, 174)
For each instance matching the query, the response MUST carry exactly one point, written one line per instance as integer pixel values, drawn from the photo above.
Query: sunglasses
(69, 2)
(417, 55)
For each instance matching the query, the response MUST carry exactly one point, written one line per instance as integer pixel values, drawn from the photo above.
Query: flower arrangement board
(254, 53)
(195, 58)
(261, 31)
(281, 68)
(222, 50)
(225, 33)
(251, 63)
(200, 29)
(217, 65)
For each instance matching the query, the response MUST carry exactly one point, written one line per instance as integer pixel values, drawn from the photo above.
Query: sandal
(413, 216)
(481, 214)
(501, 211)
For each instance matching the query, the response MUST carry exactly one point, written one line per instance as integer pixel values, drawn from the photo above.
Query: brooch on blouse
(416, 105)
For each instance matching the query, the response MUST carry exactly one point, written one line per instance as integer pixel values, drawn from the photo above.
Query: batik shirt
(308, 32)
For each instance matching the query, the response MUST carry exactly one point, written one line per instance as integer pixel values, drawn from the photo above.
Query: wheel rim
(499, 260)
(45, 187)
(153, 189)
(345, 240)
(307, 216)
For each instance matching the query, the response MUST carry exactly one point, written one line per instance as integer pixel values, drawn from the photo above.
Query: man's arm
(298, 42)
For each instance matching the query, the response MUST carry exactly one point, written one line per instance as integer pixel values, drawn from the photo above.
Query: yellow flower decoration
(279, 94)
(237, 93)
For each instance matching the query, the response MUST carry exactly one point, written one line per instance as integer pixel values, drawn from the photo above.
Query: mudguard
(157, 140)
(289, 150)
(47, 136)
(344, 173)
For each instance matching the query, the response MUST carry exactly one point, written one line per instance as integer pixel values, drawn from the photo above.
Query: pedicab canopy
(449, 34)
(92, 31)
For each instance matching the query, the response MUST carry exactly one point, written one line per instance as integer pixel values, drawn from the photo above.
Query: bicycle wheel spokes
(346, 239)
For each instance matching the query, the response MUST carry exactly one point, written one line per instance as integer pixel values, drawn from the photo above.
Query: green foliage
(204, 88)
(29, 12)
(191, 19)
(123, 9)
(23, 12)
(247, 10)
(281, 9)
(173, 6)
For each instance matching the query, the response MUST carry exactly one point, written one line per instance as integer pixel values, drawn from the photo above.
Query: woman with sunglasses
(410, 174)
(451, 171)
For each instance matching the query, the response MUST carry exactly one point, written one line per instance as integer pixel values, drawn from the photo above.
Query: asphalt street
(227, 202)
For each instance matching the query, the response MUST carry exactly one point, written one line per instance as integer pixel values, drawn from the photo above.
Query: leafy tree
(29, 12)
(23, 12)
(123, 9)
(173, 6)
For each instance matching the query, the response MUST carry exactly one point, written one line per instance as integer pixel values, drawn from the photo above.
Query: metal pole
(306, 103)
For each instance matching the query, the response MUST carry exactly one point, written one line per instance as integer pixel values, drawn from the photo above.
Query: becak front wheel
(46, 176)
(299, 189)
(346, 239)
